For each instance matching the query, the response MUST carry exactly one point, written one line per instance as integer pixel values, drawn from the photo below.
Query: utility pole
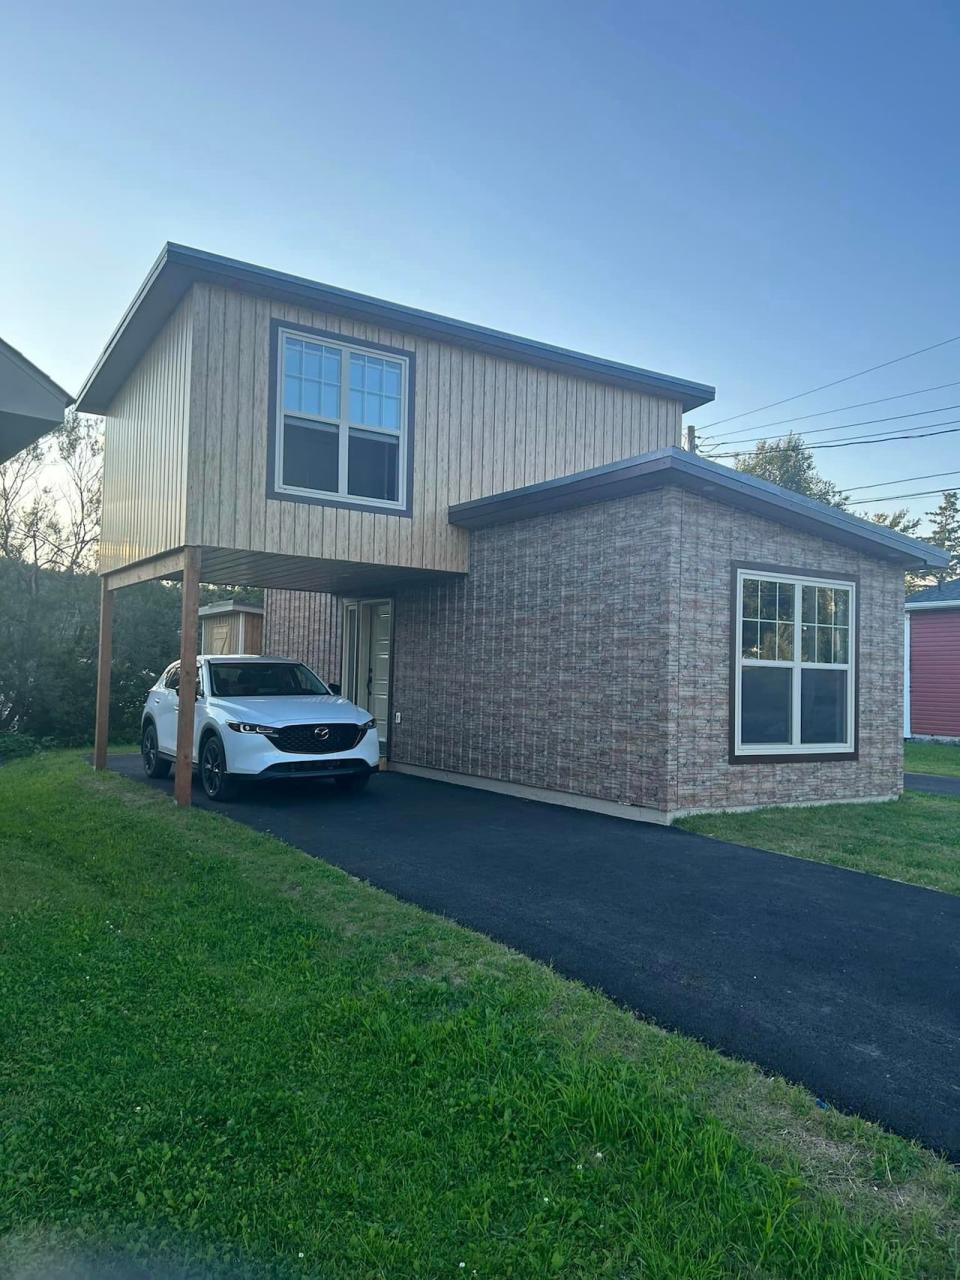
(691, 438)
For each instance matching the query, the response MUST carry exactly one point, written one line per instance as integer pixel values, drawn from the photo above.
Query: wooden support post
(102, 721)
(183, 779)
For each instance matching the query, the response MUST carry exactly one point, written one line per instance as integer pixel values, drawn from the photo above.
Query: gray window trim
(405, 509)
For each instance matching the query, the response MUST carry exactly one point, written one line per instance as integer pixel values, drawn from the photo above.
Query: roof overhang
(921, 606)
(31, 404)
(179, 267)
(228, 606)
(690, 471)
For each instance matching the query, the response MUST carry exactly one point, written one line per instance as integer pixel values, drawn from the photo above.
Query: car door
(165, 705)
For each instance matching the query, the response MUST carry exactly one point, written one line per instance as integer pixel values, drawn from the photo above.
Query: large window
(794, 678)
(342, 421)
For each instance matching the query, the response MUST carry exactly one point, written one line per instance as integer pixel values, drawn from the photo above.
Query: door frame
(359, 603)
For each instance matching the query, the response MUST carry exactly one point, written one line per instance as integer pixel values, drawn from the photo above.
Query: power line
(861, 404)
(837, 426)
(836, 382)
(879, 438)
(931, 475)
(895, 497)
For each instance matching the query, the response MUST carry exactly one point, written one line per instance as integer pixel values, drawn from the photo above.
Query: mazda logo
(321, 732)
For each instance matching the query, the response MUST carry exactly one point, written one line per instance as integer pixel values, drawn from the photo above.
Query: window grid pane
(343, 462)
(768, 633)
(375, 392)
(311, 382)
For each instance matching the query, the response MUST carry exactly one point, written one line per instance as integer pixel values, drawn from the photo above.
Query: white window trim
(795, 747)
(343, 425)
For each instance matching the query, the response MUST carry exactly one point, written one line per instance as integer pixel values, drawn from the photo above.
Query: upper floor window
(794, 644)
(342, 421)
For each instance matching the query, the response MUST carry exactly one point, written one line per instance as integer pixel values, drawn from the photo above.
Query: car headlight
(369, 724)
(241, 726)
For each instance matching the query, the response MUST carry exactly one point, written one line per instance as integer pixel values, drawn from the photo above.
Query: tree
(945, 532)
(902, 521)
(50, 498)
(789, 462)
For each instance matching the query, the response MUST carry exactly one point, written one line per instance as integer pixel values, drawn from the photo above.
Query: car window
(263, 680)
(173, 678)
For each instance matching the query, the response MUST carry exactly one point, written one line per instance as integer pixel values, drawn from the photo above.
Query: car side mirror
(334, 686)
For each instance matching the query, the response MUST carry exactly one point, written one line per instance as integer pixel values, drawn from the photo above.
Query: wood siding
(145, 451)
(935, 672)
(482, 425)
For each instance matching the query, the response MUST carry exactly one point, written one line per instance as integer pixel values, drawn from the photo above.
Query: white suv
(260, 718)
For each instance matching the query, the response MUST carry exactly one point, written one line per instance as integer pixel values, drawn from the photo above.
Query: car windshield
(263, 679)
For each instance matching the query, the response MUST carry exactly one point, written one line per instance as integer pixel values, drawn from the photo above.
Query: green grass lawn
(217, 1051)
(915, 838)
(932, 757)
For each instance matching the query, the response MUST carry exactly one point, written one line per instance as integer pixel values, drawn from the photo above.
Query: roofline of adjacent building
(37, 374)
(179, 267)
(919, 606)
(227, 606)
(691, 471)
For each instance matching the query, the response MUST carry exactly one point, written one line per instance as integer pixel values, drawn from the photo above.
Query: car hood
(297, 709)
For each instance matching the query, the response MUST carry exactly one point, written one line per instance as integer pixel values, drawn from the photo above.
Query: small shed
(231, 628)
(932, 666)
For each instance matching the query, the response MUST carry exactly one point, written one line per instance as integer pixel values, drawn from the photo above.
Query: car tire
(216, 782)
(154, 765)
(352, 781)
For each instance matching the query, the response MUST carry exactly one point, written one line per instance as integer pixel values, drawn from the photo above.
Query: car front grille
(317, 739)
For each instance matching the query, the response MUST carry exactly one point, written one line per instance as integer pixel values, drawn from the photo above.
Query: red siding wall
(935, 672)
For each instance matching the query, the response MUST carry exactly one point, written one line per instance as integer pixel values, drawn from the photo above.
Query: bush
(14, 746)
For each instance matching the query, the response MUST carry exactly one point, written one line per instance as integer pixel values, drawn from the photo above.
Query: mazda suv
(260, 718)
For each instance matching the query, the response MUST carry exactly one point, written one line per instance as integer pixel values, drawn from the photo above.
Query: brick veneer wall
(712, 537)
(588, 651)
(546, 665)
(304, 625)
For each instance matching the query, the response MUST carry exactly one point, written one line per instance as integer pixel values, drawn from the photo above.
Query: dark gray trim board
(322, 500)
(178, 267)
(690, 471)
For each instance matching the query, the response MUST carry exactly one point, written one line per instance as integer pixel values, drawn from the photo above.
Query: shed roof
(940, 594)
(690, 471)
(178, 267)
(228, 606)
(31, 403)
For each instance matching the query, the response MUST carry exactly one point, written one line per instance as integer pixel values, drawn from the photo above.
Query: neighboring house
(932, 667)
(511, 561)
(31, 404)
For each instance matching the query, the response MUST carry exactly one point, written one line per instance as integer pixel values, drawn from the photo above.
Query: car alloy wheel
(148, 750)
(211, 769)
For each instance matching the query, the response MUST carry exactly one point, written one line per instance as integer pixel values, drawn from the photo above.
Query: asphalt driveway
(845, 982)
(940, 784)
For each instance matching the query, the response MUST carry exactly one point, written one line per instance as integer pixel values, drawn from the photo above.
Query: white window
(794, 671)
(341, 421)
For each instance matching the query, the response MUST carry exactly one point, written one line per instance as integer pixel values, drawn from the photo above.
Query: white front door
(367, 637)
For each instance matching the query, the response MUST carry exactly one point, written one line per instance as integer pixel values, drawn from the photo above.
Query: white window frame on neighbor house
(794, 747)
(342, 422)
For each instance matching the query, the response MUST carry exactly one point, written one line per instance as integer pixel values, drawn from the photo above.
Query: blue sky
(756, 195)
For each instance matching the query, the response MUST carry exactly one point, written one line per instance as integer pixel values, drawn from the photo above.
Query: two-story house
(499, 547)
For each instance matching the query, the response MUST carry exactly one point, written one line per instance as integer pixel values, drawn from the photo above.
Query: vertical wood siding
(935, 672)
(145, 451)
(482, 425)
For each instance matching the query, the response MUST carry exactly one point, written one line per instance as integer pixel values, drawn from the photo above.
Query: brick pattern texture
(711, 538)
(304, 625)
(546, 664)
(588, 651)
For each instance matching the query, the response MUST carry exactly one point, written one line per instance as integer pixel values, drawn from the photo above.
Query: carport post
(102, 720)
(183, 778)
